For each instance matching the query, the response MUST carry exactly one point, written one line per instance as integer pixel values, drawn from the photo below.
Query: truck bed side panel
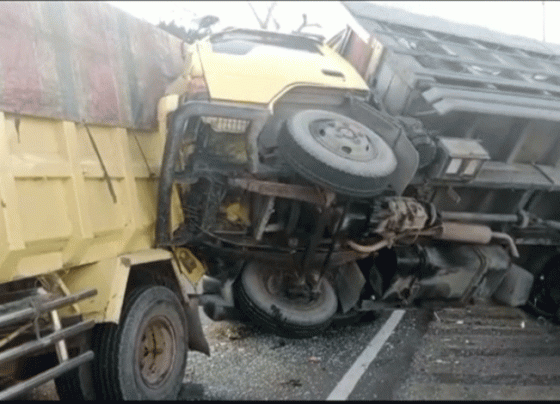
(84, 61)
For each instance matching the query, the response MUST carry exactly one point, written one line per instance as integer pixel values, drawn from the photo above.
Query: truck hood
(258, 67)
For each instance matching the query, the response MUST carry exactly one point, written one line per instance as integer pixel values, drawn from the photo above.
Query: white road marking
(351, 378)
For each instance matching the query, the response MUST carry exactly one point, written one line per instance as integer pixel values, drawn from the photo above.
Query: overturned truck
(324, 179)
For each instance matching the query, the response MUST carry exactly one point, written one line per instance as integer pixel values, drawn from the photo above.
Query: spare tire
(337, 152)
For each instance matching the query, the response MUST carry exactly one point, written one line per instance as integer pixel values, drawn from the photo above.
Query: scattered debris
(292, 382)
(233, 334)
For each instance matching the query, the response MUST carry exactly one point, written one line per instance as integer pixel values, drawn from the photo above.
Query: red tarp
(84, 61)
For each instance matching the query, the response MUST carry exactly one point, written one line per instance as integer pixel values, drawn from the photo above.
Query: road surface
(479, 352)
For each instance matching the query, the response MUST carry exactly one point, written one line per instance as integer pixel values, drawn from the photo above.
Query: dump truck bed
(79, 146)
(469, 82)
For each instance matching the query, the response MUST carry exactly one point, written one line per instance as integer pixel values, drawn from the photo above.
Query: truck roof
(258, 66)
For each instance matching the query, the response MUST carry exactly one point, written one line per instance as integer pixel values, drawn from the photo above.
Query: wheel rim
(286, 293)
(344, 139)
(279, 287)
(156, 352)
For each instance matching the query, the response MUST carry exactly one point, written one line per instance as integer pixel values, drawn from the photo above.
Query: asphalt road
(479, 352)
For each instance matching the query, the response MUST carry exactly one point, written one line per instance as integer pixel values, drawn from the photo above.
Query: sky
(524, 18)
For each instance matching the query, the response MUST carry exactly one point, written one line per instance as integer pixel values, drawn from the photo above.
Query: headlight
(229, 125)
(454, 166)
(472, 167)
(459, 159)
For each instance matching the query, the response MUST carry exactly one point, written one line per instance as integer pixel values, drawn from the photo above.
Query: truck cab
(308, 199)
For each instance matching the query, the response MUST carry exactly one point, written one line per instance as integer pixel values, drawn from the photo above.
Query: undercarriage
(312, 214)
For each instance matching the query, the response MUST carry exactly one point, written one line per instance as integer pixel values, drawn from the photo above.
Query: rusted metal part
(288, 191)
(281, 259)
(84, 61)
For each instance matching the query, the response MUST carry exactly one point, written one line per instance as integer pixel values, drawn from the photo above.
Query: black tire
(152, 315)
(275, 312)
(337, 152)
(544, 298)
(77, 384)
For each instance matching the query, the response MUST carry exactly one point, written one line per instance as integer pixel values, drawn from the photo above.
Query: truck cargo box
(464, 81)
(79, 145)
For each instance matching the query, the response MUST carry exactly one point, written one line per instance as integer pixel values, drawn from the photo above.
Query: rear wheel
(270, 302)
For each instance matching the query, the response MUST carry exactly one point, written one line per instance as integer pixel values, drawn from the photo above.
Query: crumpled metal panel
(84, 61)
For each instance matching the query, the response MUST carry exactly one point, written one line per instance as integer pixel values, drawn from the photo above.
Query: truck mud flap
(197, 341)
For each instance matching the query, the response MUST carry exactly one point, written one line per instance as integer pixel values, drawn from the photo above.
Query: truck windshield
(242, 42)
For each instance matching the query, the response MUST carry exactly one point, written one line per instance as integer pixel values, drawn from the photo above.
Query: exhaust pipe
(450, 231)
(473, 233)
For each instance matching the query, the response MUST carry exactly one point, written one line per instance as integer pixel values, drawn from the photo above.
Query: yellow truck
(86, 299)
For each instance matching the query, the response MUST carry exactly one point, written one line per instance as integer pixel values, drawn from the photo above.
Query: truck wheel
(267, 304)
(143, 358)
(337, 152)
(545, 293)
(77, 384)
